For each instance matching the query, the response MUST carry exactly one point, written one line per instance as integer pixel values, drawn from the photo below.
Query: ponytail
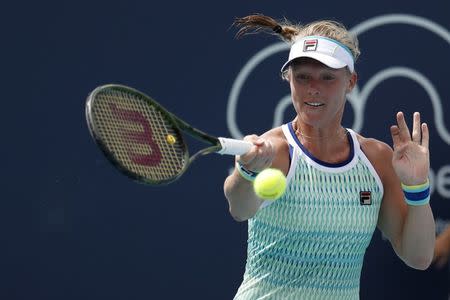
(258, 22)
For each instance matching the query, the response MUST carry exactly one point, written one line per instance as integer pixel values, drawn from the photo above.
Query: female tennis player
(310, 243)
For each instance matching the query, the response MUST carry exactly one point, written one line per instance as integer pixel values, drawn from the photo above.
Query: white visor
(329, 52)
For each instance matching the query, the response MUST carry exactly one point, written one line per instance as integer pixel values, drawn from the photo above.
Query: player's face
(318, 92)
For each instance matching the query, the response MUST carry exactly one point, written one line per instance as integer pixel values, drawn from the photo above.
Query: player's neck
(329, 134)
(327, 144)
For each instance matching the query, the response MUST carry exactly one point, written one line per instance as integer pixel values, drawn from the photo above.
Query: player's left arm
(409, 228)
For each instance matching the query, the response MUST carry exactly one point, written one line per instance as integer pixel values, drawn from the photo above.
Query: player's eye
(301, 76)
(328, 77)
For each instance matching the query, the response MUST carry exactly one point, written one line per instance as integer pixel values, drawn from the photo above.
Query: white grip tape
(234, 147)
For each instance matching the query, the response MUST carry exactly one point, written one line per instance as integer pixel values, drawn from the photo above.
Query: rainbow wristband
(247, 174)
(417, 195)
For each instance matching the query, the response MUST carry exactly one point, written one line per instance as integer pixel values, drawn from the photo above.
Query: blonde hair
(290, 32)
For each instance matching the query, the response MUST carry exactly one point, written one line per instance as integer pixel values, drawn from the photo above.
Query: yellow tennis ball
(171, 139)
(270, 184)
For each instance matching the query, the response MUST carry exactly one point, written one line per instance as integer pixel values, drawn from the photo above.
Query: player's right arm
(265, 153)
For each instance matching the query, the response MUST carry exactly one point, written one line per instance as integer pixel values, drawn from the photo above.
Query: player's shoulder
(373, 148)
(278, 139)
(276, 135)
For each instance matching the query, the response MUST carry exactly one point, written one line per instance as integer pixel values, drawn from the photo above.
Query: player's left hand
(411, 159)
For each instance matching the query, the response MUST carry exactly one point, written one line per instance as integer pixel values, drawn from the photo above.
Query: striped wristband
(247, 174)
(417, 195)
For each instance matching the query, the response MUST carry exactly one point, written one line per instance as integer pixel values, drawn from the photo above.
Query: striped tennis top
(310, 243)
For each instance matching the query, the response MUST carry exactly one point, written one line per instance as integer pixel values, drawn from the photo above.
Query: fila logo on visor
(365, 198)
(309, 45)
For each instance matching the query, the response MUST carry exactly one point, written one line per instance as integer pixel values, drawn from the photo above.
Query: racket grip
(234, 147)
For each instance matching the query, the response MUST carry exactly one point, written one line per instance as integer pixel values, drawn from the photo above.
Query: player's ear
(353, 78)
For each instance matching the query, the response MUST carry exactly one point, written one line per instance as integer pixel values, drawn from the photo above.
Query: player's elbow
(420, 262)
(237, 217)
(238, 213)
(419, 258)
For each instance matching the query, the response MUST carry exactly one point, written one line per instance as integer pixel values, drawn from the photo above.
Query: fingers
(403, 134)
(425, 135)
(260, 155)
(400, 132)
(395, 134)
(250, 155)
(416, 133)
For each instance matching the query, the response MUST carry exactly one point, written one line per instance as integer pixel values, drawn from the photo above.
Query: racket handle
(234, 147)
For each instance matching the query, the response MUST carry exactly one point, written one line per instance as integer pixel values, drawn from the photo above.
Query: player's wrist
(246, 173)
(417, 195)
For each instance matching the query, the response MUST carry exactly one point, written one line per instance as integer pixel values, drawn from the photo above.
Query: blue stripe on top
(321, 162)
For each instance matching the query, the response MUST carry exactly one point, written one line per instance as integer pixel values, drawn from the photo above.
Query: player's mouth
(314, 104)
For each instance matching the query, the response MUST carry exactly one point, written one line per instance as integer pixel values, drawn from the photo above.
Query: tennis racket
(142, 139)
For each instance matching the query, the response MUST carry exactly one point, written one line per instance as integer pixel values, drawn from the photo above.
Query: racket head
(136, 134)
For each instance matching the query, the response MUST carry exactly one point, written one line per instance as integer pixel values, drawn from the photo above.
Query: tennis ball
(270, 184)
(171, 139)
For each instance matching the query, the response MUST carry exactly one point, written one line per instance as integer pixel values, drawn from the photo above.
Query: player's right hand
(260, 155)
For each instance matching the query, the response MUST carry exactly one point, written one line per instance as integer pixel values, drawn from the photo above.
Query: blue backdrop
(75, 228)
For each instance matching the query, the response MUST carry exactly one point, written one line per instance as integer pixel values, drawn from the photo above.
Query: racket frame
(179, 126)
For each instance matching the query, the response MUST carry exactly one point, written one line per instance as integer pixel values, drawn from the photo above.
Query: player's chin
(313, 115)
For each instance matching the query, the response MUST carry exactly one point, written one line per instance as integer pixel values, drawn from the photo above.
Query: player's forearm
(418, 237)
(241, 198)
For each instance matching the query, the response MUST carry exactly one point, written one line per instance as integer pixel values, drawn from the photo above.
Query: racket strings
(136, 133)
